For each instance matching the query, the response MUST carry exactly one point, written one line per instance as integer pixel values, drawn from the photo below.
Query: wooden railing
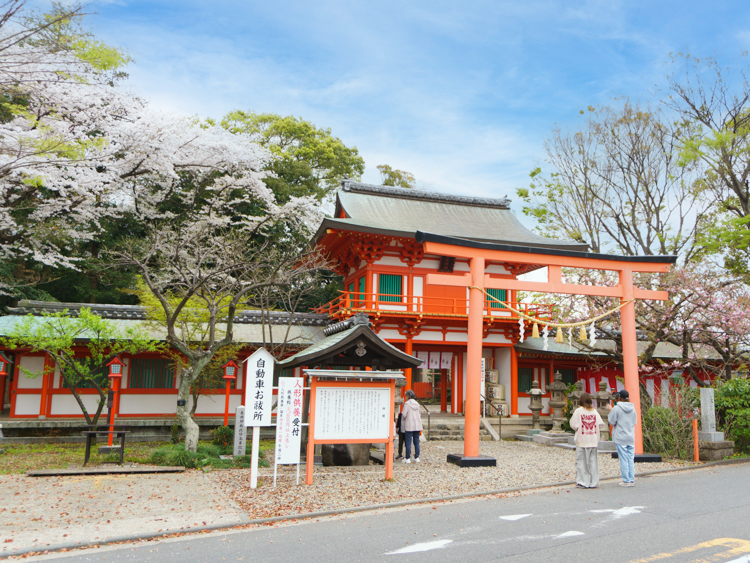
(354, 301)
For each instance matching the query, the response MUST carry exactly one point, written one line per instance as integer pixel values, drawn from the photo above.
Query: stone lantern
(557, 401)
(603, 397)
(535, 394)
(575, 395)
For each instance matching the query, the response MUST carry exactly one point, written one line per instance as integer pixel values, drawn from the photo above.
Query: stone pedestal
(711, 436)
(345, 454)
(552, 437)
(715, 451)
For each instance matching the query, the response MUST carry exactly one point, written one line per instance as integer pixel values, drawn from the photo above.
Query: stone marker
(708, 431)
(240, 430)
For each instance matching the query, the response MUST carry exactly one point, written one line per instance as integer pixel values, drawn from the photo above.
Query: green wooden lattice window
(525, 377)
(390, 285)
(151, 374)
(99, 373)
(500, 294)
(568, 376)
(361, 289)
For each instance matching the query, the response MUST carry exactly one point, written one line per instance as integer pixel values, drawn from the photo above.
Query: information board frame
(351, 380)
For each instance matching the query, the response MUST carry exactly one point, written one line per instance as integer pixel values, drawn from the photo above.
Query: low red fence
(422, 389)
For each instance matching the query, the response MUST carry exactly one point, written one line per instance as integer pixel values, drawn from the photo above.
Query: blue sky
(461, 94)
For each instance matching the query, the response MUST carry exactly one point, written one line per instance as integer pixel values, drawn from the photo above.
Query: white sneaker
(416, 459)
(406, 460)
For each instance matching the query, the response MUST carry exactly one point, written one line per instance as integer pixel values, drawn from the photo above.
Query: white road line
(514, 517)
(421, 547)
(624, 511)
(569, 534)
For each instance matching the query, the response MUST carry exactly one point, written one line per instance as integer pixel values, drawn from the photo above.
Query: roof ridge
(420, 195)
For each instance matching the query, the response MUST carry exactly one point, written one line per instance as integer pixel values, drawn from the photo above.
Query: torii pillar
(479, 254)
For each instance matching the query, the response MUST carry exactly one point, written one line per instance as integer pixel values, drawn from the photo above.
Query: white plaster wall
(214, 404)
(387, 306)
(28, 404)
(390, 261)
(461, 267)
(418, 286)
(34, 364)
(389, 334)
(496, 339)
(524, 402)
(502, 364)
(429, 263)
(125, 381)
(428, 335)
(495, 269)
(66, 404)
(456, 336)
(148, 404)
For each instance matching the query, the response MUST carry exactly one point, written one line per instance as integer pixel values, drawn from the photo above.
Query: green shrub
(666, 431)
(175, 455)
(245, 461)
(732, 399)
(223, 436)
(175, 429)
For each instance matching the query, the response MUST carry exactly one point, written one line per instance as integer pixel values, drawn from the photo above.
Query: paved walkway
(53, 512)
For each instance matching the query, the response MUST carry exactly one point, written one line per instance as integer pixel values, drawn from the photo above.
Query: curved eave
(552, 251)
(339, 345)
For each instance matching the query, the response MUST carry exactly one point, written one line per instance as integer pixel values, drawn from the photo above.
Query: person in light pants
(586, 422)
(623, 419)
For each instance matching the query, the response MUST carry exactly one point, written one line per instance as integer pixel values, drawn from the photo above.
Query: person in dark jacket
(401, 437)
(411, 423)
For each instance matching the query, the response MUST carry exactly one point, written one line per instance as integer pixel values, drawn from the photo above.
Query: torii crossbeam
(479, 254)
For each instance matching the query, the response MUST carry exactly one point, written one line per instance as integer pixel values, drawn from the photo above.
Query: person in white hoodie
(586, 422)
(623, 419)
(411, 425)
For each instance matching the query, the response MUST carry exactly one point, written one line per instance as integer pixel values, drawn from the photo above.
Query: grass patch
(20, 458)
(208, 455)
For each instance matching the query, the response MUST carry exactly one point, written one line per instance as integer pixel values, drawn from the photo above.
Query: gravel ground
(519, 464)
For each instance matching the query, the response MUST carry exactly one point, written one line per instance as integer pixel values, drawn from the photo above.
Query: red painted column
(47, 375)
(443, 390)
(3, 379)
(474, 358)
(407, 372)
(460, 383)
(513, 380)
(630, 352)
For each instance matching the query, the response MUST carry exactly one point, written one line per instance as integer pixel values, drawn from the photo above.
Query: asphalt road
(701, 515)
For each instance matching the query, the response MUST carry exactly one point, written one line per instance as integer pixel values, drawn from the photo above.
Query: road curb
(352, 510)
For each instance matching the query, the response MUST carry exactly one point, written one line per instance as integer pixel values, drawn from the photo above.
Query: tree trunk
(183, 414)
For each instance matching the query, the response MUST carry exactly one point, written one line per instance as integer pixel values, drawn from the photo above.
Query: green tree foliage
(62, 336)
(398, 178)
(732, 402)
(713, 103)
(309, 161)
(61, 30)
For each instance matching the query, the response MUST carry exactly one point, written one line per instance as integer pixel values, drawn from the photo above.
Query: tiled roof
(401, 212)
(136, 312)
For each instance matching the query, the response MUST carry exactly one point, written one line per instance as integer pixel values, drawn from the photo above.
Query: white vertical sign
(483, 378)
(289, 420)
(259, 388)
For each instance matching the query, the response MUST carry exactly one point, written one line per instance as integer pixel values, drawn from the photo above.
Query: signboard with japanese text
(352, 413)
(289, 420)
(259, 388)
(483, 377)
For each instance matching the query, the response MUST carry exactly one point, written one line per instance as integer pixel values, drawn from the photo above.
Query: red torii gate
(479, 254)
